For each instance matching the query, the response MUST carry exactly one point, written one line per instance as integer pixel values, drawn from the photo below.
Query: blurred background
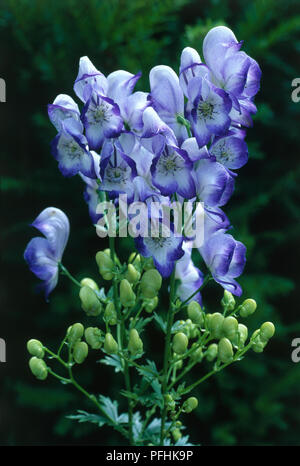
(254, 402)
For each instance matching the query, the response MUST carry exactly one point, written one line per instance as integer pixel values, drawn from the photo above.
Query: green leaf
(114, 361)
(160, 322)
(84, 416)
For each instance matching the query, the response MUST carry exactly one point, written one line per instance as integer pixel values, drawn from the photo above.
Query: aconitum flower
(167, 98)
(208, 110)
(190, 277)
(43, 255)
(225, 258)
(214, 183)
(165, 251)
(230, 150)
(117, 169)
(69, 148)
(101, 119)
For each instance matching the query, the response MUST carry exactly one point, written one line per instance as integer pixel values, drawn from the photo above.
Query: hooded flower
(208, 110)
(69, 148)
(167, 98)
(44, 254)
(214, 183)
(191, 278)
(164, 249)
(225, 257)
(117, 169)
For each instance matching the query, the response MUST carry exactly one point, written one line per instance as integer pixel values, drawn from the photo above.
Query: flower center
(205, 110)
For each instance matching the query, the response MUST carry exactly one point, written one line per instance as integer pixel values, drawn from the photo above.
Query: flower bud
(38, 368)
(215, 324)
(195, 313)
(89, 282)
(212, 352)
(132, 274)
(80, 351)
(135, 344)
(110, 344)
(151, 304)
(228, 301)
(242, 335)
(135, 260)
(190, 404)
(180, 343)
(197, 355)
(176, 434)
(225, 351)
(93, 337)
(150, 283)
(169, 402)
(267, 330)
(230, 327)
(105, 264)
(35, 348)
(127, 296)
(148, 263)
(110, 314)
(89, 301)
(258, 345)
(75, 333)
(247, 308)
(207, 319)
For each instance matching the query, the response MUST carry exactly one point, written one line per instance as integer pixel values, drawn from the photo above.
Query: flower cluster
(179, 142)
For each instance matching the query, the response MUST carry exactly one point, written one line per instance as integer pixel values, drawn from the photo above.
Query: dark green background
(255, 402)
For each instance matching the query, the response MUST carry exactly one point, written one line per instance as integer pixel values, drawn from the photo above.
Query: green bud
(225, 351)
(110, 344)
(135, 344)
(195, 313)
(110, 314)
(215, 324)
(228, 301)
(150, 283)
(180, 343)
(178, 364)
(89, 301)
(212, 352)
(190, 404)
(38, 368)
(170, 403)
(135, 259)
(89, 282)
(197, 355)
(207, 319)
(247, 308)
(258, 345)
(93, 337)
(35, 348)
(230, 327)
(80, 351)
(242, 335)
(75, 333)
(148, 264)
(151, 304)
(267, 330)
(105, 264)
(127, 296)
(132, 274)
(176, 435)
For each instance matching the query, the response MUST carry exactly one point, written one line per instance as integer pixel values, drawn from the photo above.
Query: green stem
(170, 321)
(65, 271)
(205, 281)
